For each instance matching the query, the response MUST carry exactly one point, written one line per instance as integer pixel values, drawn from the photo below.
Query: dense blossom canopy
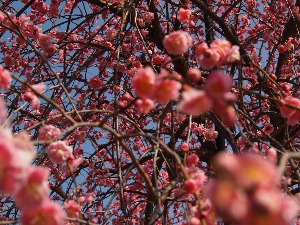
(149, 112)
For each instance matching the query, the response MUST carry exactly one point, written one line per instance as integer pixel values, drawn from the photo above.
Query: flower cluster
(246, 192)
(148, 86)
(32, 98)
(28, 184)
(287, 111)
(214, 96)
(218, 53)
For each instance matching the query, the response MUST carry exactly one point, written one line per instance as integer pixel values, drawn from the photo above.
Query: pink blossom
(286, 110)
(117, 88)
(281, 49)
(11, 175)
(185, 147)
(5, 78)
(233, 54)
(73, 164)
(59, 152)
(223, 47)
(32, 98)
(208, 58)
(220, 52)
(145, 105)
(12, 169)
(34, 189)
(248, 171)
(48, 213)
(73, 209)
(177, 42)
(228, 53)
(24, 147)
(265, 212)
(49, 132)
(225, 112)
(88, 197)
(198, 176)
(195, 102)
(96, 83)
(190, 186)
(268, 128)
(143, 82)
(8, 60)
(210, 134)
(166, 89)
(195, 221)
(45, 41)
(183, 15)
(192, 160)
(194, 74)
(230, 202)
(218, 84)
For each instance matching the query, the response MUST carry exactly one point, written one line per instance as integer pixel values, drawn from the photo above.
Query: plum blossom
(73, 164)
(11, 174)
(59, 152)
(292, 114)
(35, 189)
(45, 41)
(166, 89)
(248, 171)
(73, 209)
(145, 105)
(246, 192)
(49, 132)
(5, 78)
(195, 102)
(196, 180)
(190, 186)
(12, 169)
(210, 134)
(32, 98)
(177, 42)
(218, 53)
(48, 213)
(194, 74)
(143, 82)
(207, 57)
(192, 160)
(183, 15)
(96, 83)
(185, 147)
(218, 84)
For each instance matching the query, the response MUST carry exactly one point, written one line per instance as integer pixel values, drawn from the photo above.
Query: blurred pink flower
(292, 115)
(166, 89)
(59, 152)
(177, 42)
(48, 213)
(5, 78)
(218, 84)
(143, 82)
(144, 105)
(35, 189)
(195, 102)
(49, 132)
